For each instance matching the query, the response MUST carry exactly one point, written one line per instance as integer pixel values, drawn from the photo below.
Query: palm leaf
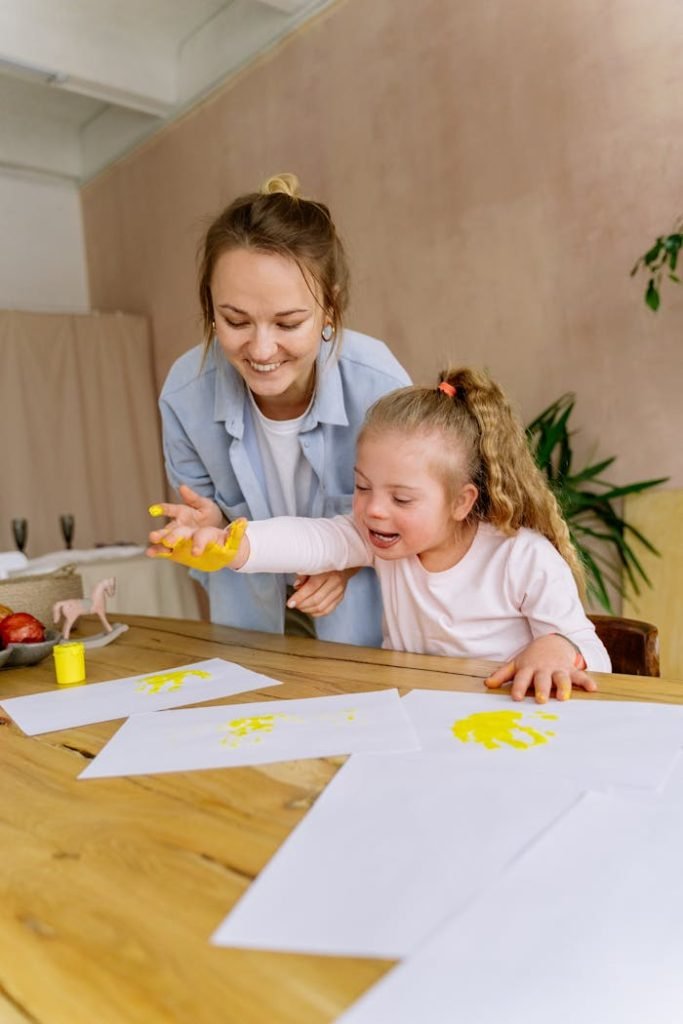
(590, 504)
(590, 471)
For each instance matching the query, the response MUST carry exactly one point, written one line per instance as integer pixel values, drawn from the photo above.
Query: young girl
(473, 557)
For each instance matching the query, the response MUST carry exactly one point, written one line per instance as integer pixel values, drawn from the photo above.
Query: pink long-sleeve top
(505, 592)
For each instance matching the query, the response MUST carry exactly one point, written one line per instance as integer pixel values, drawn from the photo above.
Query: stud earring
(327, 332)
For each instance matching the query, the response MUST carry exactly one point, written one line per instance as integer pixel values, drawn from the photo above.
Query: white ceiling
(83, 81)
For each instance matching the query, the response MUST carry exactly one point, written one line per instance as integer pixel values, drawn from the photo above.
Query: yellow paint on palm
(213, 557)
(493, 729)
(169, 681)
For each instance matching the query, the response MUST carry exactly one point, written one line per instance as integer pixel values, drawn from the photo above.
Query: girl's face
(400, 504)
(268, 324)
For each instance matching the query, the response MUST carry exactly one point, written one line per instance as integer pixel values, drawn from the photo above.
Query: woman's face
(268, 323)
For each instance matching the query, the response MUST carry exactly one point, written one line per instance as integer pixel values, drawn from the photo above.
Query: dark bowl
(30, 654)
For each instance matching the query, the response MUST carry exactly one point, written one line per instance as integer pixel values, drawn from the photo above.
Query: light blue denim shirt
(210, 444)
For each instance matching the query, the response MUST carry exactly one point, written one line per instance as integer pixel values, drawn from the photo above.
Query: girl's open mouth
(383, 540)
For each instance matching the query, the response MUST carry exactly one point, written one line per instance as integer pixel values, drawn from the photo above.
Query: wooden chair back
(633, 646)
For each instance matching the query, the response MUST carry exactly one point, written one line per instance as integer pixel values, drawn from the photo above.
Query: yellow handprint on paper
(493, 729)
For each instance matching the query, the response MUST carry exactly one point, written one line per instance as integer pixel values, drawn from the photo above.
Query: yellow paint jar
(69, 663)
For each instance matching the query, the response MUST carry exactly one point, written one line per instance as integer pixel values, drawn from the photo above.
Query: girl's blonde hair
(279, 220)
(486, 444)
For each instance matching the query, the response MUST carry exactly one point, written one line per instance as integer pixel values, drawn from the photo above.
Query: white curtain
(79, 429)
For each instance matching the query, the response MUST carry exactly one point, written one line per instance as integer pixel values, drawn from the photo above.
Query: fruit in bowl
(21, 628)
(5, 611)
(24, 640)
(17, 655)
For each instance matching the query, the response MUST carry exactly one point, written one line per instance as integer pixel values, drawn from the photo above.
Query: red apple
(21, 628)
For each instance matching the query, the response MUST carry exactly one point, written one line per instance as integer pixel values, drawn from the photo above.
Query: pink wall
(495, 170)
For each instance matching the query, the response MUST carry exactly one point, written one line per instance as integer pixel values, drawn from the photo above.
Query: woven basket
(37, 594)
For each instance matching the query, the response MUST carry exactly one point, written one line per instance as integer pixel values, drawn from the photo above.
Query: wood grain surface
(110, 888)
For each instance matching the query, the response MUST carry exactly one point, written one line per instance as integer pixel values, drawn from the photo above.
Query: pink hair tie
(447, 389)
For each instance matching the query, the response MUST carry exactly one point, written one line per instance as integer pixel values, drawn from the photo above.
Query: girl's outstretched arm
(305, 546)
(281, 545)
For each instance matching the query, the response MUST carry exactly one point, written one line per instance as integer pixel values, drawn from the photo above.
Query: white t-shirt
(504, 593)
(287, 473)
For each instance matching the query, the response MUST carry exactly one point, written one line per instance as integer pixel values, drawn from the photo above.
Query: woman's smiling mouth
(264, 367)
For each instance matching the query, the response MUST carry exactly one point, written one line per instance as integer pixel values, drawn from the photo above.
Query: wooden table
(111, 888)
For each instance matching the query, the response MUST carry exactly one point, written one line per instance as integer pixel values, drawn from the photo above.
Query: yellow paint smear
(172, 680)
(243, 728)
(494, 729)
(213, 557)
(254, 727)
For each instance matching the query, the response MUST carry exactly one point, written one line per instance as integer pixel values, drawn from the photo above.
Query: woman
(262, 419)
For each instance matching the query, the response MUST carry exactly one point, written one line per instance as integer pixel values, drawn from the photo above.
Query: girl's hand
(208, 548)
(548, 662)
(320, 595)
(196, 513)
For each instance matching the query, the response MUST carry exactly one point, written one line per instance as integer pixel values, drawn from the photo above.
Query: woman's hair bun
(288, 184)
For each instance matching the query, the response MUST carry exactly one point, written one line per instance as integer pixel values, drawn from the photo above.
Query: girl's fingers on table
(582, 679)
(523, 680)
(502, 675)
(543, 684)
(563, 684)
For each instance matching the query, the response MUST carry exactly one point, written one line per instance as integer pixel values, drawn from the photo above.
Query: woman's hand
(320, 595)
(548, 663)
(197, 512)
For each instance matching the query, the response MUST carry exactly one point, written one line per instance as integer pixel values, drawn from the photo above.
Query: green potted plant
(660, 259)
(591, 506)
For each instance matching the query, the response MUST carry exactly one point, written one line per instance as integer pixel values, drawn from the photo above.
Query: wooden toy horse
(73, 609)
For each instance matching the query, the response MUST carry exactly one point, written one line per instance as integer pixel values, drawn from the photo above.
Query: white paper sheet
(595, 743)
(587, 926)
(241, 734)
(394, 845)
(118, 698)
(673, 786)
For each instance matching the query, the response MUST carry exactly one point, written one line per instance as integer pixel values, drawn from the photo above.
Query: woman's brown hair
(487, 445)
(279, 220)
